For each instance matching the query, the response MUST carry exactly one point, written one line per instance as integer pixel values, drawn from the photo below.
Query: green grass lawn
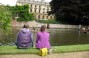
(57, 49)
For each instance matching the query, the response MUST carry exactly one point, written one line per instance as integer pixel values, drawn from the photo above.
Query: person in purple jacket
(24, 38)
(42, 40)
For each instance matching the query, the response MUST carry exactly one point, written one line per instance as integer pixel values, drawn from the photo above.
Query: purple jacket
(42, 40)
(24, 38)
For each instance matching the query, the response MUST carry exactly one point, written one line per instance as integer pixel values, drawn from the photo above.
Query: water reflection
(68, 37)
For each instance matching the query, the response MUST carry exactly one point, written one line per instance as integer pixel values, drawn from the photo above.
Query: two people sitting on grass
(25, 38)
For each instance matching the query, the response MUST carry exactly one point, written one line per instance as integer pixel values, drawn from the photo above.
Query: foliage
(71, 11)
(5, 18)
(22, 12)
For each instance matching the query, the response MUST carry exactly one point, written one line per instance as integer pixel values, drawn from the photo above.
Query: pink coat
(42, 40)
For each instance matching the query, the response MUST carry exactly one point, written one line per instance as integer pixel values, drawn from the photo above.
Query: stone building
(39, 8)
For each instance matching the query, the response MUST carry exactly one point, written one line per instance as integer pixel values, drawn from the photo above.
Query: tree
(71, 11)
(5, 18)
(22, 12)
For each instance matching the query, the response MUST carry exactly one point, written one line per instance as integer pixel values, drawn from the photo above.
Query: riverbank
(55, 49)
(36, 24)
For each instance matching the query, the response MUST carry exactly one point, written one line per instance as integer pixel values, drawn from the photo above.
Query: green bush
(5, 18)
(22, 12)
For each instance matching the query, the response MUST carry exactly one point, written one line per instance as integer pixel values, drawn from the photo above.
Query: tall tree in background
(5, 18)
(71, 11)
(22, 12)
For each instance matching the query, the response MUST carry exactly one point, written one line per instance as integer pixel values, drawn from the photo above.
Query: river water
(57, 37)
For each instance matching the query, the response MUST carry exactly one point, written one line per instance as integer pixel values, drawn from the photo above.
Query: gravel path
(60, 55)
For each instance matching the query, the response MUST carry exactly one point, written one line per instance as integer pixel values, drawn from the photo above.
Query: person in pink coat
(42, 39)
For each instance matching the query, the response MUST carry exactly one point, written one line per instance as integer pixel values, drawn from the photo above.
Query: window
(35, 6)
(47, 17)
(38, 16)
(35, 10)
(31, 5)
(43, 16)
(30, 10)
(43, 10)
(47, 7)
(39, 7)
(39, 11)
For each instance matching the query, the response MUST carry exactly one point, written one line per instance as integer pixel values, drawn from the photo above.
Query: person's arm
(37, 38)
(17, 37)
(49, 38)
(49, 35)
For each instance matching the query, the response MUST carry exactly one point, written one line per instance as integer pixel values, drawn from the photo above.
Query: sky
(13, 2)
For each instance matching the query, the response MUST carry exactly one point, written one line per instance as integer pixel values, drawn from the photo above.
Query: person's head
(26, 26)
(43, 27)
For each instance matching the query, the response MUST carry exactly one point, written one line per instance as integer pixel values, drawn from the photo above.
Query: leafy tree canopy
(5, 18)
(22, 12)
(71, 11)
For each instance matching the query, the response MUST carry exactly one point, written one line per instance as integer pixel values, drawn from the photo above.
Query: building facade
(39, 8)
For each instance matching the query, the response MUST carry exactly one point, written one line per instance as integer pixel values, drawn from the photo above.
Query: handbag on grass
(43, 52)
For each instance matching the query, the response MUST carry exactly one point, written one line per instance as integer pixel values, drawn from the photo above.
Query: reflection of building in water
(40, 9)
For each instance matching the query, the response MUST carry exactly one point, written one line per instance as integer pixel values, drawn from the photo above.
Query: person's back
(42, 40)
(24, 38)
